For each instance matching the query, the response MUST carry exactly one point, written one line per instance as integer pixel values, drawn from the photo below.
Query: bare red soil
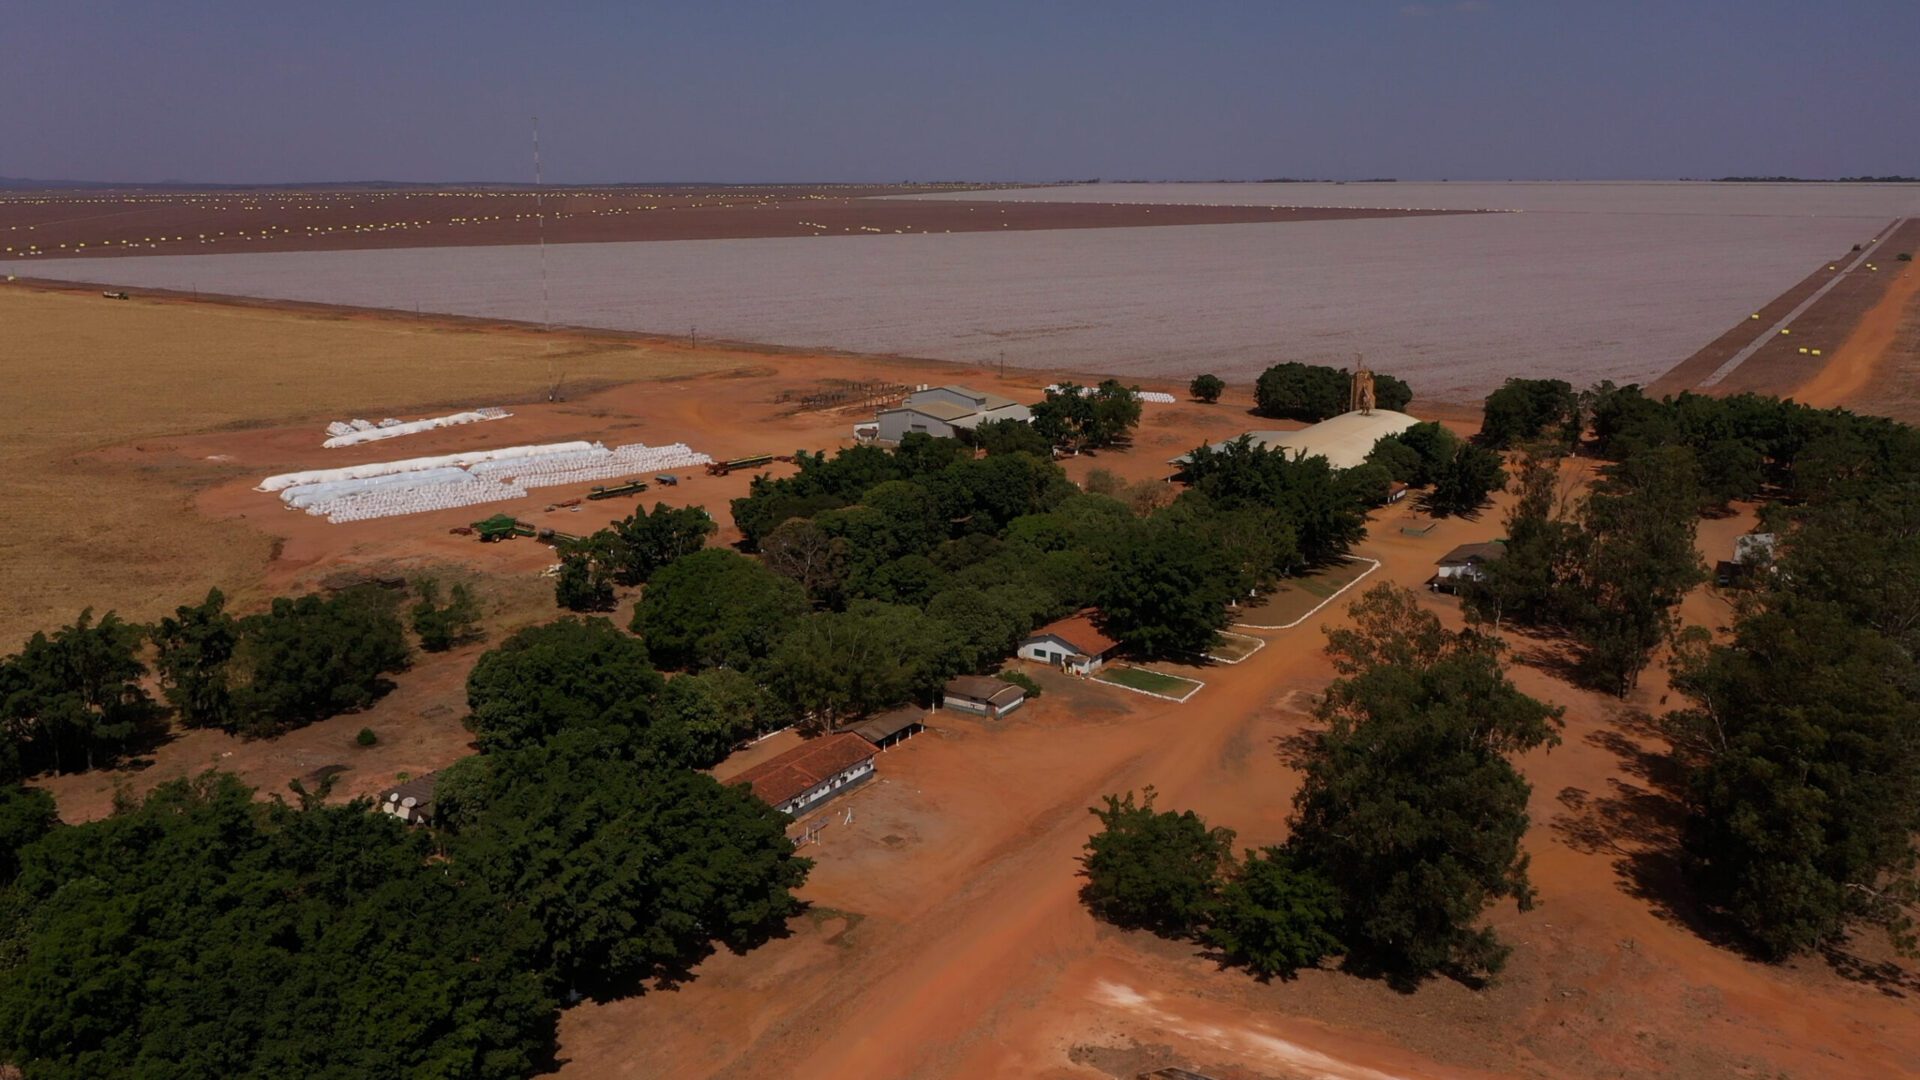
(149, 223)
(946, 936)
(1779, 367)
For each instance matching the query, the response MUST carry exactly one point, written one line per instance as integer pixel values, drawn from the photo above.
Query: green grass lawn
(1294, 599)
(1232, 648)
(1152, 682)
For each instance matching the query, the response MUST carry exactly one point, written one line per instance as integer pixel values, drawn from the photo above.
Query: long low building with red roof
(811, 773)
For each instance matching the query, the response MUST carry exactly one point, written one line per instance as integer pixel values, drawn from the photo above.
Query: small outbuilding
(1396, 491)
(1751, 553)
(411, 802)
(982, 695)
(1466, 563)
(893, 726)
(811, 773)
(1072, 644)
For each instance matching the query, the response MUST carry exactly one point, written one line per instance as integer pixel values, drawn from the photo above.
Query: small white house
(1072, 644)
(1465, 563)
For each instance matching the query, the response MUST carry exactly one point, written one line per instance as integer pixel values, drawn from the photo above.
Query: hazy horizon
(232, 93)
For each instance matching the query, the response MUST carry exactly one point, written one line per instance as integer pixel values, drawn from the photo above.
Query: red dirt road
(951, 942)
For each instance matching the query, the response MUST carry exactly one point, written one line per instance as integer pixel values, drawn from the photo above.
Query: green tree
(1543, 547)
(1010, 437)
(352, 954)
(314, 656)
(634, 875)
(1089, 418)
(837, 665)
(442, 626)
(193, 648)
(1167, 593)
(1323, 512)
(26, 815)
(716, 608)
(989, 625)
(1206, 388)
(1468, 479)
(804, 553)
(1150, 870)
(713, 711)
(1294, 391)
(648, 540)
(1638, 564)
(571, 675)
(1524, 410)
(1409, 804)
(585, 580)
(75, 701)
(1805, 792)
(1274, 916)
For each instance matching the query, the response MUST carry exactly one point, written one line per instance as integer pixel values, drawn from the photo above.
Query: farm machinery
(615, 491)
(722, 468)
(500, 527)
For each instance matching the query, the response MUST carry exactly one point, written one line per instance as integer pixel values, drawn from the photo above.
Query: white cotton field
(1586, 281)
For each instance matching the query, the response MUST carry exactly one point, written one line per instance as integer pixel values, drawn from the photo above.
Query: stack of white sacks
(353, 432)
(1155, 396)
(417, 485)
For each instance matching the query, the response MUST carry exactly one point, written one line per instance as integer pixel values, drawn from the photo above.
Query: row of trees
(78, 698)
(626, 553)
(1406, 827)
(1313, 392)
(1798, 740)
(1087, 418)
(577, 854)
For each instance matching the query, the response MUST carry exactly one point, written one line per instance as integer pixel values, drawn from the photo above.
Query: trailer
(631, 487)
(722, 468)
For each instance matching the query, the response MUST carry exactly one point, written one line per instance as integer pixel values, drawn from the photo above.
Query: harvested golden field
(89, 526)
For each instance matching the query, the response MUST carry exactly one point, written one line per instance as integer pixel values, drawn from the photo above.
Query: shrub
(1151, 870)
(1207, 388)
(1275, 917)
(366, 737)
(1022, 680)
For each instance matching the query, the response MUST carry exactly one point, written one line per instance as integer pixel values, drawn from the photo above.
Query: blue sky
(761, 91)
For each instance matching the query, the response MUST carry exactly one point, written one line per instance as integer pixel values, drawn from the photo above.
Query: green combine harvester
(501, 527)
(631, 487)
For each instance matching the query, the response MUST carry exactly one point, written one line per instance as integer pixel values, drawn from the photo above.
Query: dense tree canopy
(1409, 805)
(1167, 592)
(315, 656)
(572, 675)
(1311, 392)
(837, 665)
(716, 608)
(1325, 515)
(708, 713)
(1464, 484)
(647, 540)
(1806, 799)
(201, 933)
(631, 873)
(1088, 418)
(1274, 916)
(1206, 388)
(74, 700)
(192, 648)
(1524, 410)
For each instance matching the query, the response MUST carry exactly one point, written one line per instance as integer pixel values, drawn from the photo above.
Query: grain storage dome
(1343, 440)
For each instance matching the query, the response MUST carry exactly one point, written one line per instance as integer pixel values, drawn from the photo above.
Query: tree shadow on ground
(1639, 820)
(1887, 976)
